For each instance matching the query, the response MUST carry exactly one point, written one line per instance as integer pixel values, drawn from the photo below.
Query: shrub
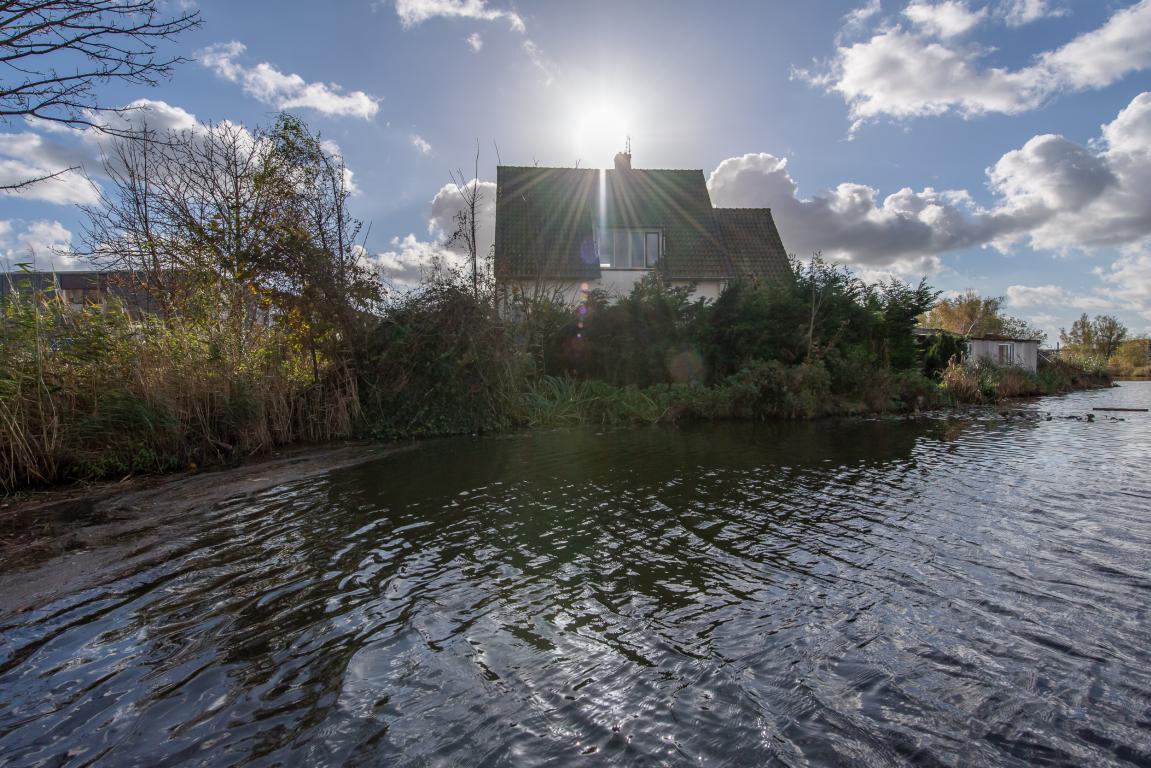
(441, 361)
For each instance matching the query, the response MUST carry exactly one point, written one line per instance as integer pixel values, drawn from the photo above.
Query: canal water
(972, 590)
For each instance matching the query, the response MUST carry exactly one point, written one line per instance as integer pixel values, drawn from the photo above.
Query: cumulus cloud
(49, 148)
(1016, 13)
(44, 243)
(475, 41)
(26, 156)
(1128, 280)
(285, 91)
(1083, 197)
(905, 73)
(1051, 194)
(421, 144)
(410, 258)
(413, 12)
(447, 204)
(905, 231)
(949, 18)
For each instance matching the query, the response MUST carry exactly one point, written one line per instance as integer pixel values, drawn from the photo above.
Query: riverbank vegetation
(266, 326)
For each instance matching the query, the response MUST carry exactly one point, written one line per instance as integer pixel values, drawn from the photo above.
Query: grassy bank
(99, 394)
(102, 393)
(986, 382)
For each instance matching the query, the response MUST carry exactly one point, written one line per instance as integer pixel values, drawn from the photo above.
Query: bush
(441, 361)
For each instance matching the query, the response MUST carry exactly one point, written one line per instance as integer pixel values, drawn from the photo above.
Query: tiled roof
(544, 223)
(752, 242)
(546, 217)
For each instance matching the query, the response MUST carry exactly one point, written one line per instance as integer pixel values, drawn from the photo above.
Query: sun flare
(601, 130)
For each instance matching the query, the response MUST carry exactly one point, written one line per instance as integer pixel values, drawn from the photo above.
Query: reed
(96, 393)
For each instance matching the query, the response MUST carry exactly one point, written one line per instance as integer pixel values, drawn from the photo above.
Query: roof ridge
(573, 168)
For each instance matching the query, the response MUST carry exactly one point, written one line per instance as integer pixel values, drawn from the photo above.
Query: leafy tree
(899, 306)
(1099, 337)
(1109, 334)
(1132, 355)
(970, 314)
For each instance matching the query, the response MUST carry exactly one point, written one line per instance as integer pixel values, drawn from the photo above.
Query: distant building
(576, 230)
(1004, 350)
(77, 290)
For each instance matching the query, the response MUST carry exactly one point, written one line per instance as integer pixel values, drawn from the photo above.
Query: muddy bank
(58, 540)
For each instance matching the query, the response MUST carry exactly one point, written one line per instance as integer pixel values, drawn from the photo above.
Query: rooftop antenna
(628, 145)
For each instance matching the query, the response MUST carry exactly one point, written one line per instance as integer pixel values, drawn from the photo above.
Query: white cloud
(152, 115)
(902, 74)
(1083, 197)
(421, 144)
(1051, 194)
(1128, 280)
(285, 91)
(52, 147)
(410, 260)
(544, 66)
(475, 41)
(905, 231)
(413, 12)
(448, 202)
(27, 155)
(857, 19)
(44, 243)
(1016, 13)
(948, 18)
(1029, 296)
(1103, 56)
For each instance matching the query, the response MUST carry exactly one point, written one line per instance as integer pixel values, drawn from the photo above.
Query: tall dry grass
(95, 393)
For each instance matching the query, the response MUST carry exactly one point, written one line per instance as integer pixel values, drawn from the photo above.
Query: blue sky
(1000, 145)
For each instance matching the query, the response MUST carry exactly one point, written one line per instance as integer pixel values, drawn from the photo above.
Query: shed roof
(998, 337)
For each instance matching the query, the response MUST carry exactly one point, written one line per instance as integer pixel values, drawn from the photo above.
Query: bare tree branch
(54, 52)
(48, 177)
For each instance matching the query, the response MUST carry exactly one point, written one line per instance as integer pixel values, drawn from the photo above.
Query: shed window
(1006, 354)
(629, 248)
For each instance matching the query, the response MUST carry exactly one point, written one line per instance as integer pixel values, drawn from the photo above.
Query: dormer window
(629, 248)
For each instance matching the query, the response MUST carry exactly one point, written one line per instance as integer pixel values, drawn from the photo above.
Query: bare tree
(233, 228)
(465, 232)
(54, 52)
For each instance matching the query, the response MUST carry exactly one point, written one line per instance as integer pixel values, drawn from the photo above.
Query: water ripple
(955, 592)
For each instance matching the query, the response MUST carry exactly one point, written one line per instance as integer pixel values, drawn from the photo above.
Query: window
(1006, 354)
(629, 248)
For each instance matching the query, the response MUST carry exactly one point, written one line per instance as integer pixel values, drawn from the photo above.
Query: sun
(601, 130)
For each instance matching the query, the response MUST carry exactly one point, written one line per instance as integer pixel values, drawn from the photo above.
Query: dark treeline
(270, 327)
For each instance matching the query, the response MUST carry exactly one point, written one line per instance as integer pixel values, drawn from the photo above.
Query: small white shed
(1003, 350)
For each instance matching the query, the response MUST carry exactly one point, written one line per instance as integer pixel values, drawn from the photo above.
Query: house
(80, 289)
(1004, 350)
(573, 230)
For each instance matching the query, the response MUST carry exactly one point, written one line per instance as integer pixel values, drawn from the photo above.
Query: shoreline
(38, 525)
(96, 525)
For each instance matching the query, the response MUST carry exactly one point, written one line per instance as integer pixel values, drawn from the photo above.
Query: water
(949, 592)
